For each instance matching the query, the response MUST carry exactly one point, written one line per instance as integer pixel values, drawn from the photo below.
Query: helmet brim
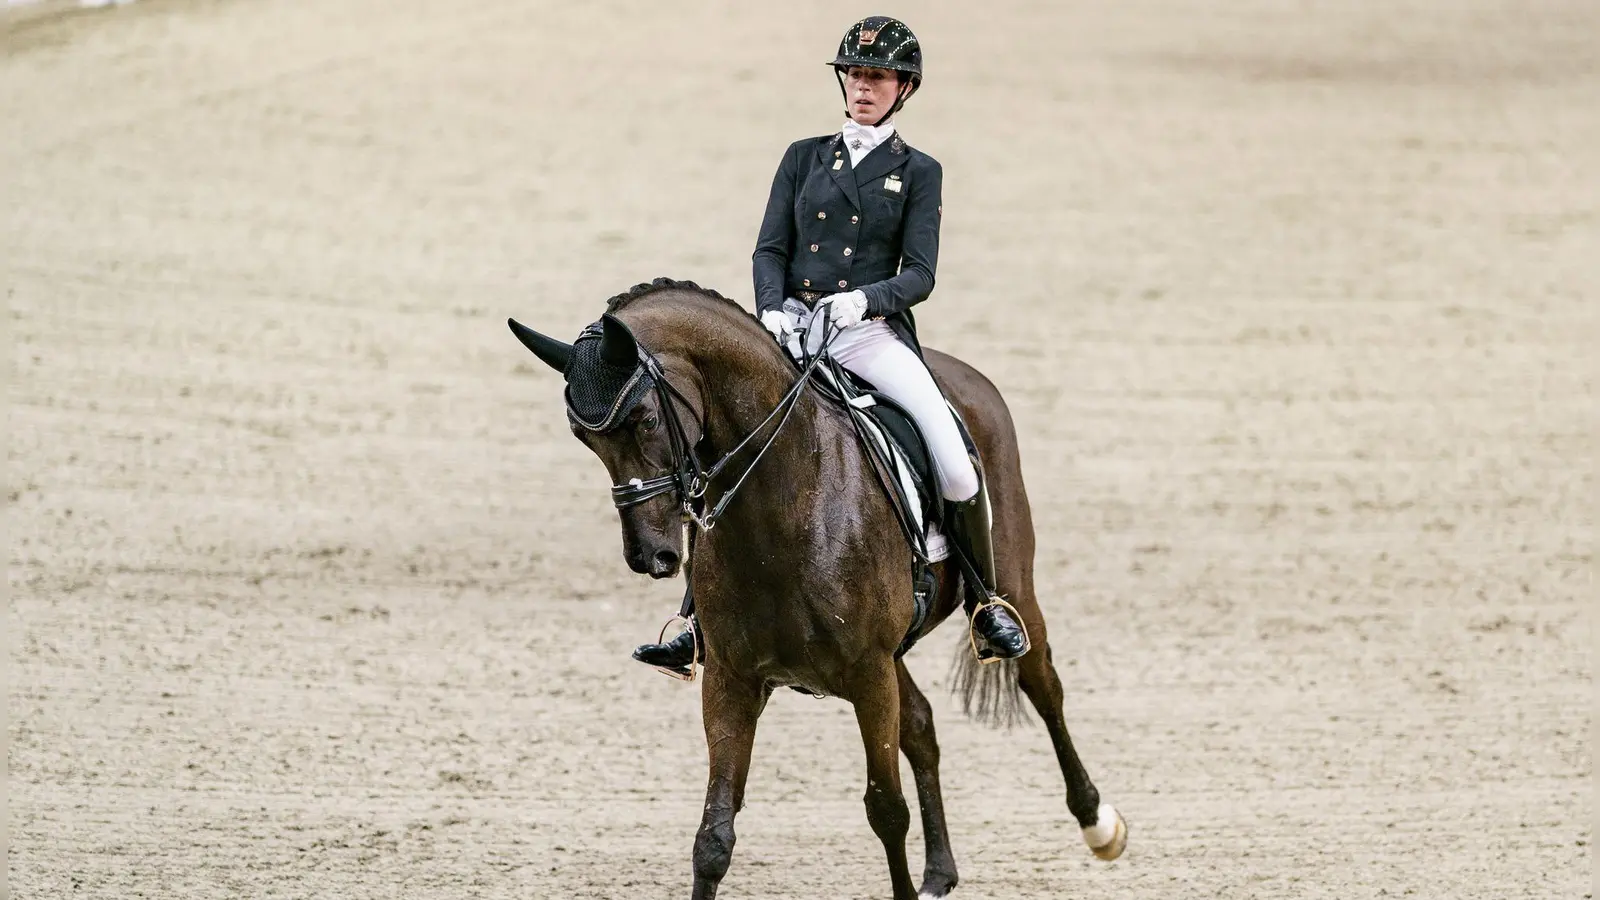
(845, 62)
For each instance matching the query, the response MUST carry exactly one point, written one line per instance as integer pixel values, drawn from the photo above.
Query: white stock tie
(860, 139)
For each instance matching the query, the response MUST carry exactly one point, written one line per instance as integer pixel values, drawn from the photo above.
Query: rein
(687, 479)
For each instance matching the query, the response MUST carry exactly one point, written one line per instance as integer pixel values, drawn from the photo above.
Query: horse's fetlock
(713, 849)
(887, 813)
(1084, 805)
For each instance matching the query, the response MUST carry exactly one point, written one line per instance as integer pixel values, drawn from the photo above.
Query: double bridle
(688, 479)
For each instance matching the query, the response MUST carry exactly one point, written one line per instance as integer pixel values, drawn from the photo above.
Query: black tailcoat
(831, 228)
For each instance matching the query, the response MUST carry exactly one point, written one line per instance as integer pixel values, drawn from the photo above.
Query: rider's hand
(847, 309)
(776, 322)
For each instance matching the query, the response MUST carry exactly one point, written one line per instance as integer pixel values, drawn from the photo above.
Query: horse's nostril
(666, 560)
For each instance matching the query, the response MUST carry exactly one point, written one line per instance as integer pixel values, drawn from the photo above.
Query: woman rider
(852, 231)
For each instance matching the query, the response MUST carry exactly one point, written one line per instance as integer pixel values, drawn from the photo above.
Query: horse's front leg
(921, 747)
(878, 716)
(730, 709)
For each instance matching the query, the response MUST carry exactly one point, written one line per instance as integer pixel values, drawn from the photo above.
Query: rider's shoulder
(917, 159)
(922, 160)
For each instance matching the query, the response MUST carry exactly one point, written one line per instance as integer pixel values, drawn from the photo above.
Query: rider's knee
(962, 484)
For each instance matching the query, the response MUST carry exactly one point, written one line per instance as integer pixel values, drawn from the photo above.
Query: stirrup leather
(985, 655)
(694, 633)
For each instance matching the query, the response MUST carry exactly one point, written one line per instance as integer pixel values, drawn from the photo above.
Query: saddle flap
(907, 439)
(863, 400)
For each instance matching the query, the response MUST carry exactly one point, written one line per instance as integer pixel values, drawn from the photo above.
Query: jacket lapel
(829, 152)
(884, 158)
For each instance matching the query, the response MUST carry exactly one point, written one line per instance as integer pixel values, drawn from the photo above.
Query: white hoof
(1108, 836)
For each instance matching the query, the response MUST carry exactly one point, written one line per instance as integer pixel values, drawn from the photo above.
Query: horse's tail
(990, 694)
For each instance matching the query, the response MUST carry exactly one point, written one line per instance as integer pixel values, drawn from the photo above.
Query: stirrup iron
(985, 655)
(694, 633)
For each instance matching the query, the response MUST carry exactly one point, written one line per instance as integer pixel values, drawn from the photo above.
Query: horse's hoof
(936, 888)
(1108, 836)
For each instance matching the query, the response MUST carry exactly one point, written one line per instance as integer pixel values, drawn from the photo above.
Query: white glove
(776, 322)
(847, 309)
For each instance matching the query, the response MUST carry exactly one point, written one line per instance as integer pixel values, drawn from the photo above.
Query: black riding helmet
(880, 43)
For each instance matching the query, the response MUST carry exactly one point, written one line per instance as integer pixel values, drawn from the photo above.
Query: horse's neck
(741, 377)
(804, 467)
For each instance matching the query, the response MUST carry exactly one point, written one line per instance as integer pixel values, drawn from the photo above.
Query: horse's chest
(791, 652)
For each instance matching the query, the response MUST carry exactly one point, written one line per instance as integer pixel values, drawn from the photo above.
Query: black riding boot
(675, 657)
(1000, 636)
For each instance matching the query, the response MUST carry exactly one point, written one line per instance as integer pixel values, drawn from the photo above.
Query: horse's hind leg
(1103, 828)
(878, 716)
(921, 748)
(730, 710)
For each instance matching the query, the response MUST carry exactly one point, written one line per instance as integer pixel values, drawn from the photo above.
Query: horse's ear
(617, 345)
(554, 353)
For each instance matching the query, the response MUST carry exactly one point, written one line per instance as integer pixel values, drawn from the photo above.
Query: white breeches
(872, 351)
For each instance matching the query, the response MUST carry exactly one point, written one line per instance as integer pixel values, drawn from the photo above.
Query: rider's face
(870, 93)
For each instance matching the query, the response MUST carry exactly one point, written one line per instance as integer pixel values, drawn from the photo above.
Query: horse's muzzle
(664, 564)
(652, 539)
(661, 563)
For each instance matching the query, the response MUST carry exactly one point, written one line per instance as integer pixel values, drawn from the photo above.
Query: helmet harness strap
(907, 88)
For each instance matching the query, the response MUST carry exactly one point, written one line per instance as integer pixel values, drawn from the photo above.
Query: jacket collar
(888, 156)
(831, 151)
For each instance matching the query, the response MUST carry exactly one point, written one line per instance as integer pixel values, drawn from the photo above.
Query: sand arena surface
(312, 596)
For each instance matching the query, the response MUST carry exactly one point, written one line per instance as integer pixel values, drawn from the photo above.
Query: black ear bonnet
(605, 376)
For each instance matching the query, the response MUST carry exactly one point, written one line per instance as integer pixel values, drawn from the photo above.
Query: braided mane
(622, 300)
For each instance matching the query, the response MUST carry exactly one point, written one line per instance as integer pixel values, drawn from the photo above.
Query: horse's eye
(650, 422)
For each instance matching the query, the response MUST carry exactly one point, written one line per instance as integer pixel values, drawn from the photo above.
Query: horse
(804, 581)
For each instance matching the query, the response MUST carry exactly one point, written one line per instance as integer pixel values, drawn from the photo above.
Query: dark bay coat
(831, 228)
